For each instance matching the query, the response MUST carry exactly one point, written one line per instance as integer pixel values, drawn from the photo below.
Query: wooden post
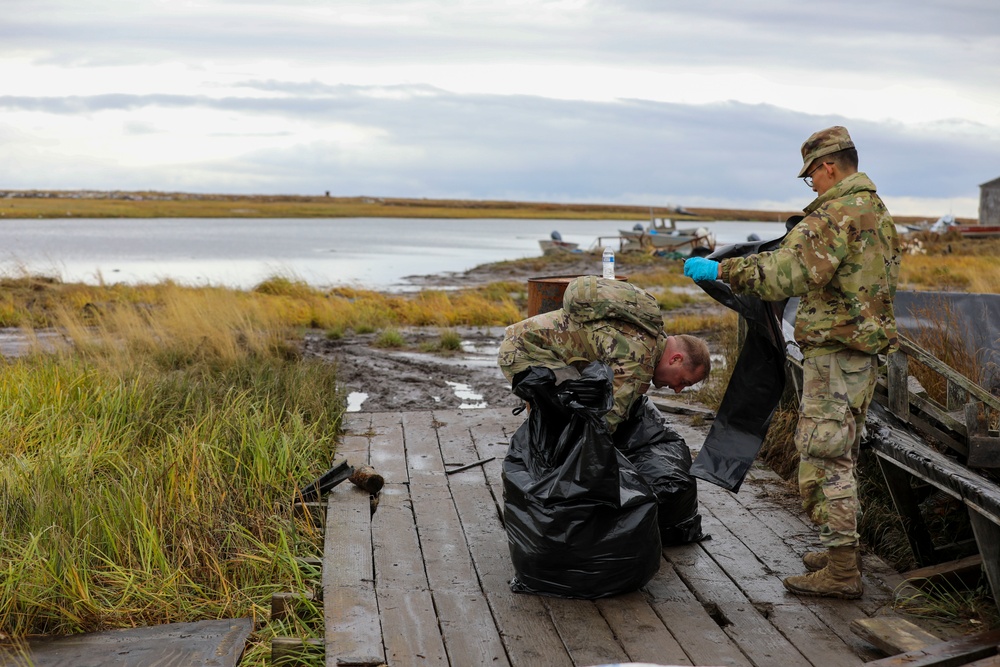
(987, 534)
(957, 396)
(896, 376)
(898, 482)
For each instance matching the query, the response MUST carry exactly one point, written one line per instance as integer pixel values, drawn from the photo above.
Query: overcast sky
(648, 102)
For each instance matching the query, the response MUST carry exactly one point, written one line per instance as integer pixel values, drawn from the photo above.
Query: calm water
(377, 253)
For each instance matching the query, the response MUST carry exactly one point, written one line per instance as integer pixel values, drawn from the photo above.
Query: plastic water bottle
(608, 263)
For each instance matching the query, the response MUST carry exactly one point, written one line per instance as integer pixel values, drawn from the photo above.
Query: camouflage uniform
(606, 320)
(842, 260)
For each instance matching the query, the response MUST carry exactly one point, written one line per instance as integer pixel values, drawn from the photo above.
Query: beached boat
(663, 235)
(555, 244)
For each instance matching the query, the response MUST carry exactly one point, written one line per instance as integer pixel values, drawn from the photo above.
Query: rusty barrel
(545, 293)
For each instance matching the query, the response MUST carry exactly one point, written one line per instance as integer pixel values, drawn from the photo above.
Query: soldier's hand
(699, 269)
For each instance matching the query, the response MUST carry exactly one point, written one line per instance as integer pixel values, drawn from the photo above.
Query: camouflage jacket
(842, 259)
(624, 331)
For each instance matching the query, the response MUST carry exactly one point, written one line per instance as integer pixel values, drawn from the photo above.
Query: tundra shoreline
(150, 204)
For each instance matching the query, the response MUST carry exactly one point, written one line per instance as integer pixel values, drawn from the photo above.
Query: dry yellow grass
(72, 204)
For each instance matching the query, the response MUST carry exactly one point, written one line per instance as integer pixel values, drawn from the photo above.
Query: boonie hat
(824, 142)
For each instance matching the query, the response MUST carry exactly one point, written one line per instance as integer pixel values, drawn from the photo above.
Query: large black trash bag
(663, 460)
(756, 385)
(580, 521)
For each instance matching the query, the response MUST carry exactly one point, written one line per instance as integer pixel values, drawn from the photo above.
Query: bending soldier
(613, 322)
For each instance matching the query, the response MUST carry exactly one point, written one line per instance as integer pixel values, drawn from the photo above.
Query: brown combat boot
(839, 579)
(815, 560)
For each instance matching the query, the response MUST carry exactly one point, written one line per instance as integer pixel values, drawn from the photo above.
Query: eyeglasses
(808, 178)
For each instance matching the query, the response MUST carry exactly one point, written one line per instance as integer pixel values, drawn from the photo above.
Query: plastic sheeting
(974, 319)
(755, 387)
(663, 460)
(580, 521)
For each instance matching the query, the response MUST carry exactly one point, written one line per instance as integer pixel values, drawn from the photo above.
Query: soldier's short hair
(696, 354)
(846, 159)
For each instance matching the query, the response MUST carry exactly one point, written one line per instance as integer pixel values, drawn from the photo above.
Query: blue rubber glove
(700, 269)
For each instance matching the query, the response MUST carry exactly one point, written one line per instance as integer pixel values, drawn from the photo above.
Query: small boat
(554, 244)
(663, 236)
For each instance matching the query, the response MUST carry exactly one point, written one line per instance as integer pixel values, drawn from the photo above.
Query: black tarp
(755, 387)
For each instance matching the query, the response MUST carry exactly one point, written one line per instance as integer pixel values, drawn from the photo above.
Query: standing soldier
(842, 260)
(613, 322)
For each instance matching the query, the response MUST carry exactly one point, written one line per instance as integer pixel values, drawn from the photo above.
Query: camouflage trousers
(836, 391)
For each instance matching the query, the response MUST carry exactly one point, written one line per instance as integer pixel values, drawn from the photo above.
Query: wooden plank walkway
(425, 581)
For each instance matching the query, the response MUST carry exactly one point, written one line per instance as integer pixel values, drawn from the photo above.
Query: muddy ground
(407, 378)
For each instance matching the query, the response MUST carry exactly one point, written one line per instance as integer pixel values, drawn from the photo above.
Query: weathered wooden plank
(491, 433)
(897, 480)
(640, 631)
(965, 571)
(892, 635)
(585, 633)
(411, 634)
(796, 536)
(898, 389)
(770, 559)
(918, 353)
(987, 534)
(386, 451)
(689, 622)
(353, 631)
(470, 636)
(744, 623)
(410, 627)
(796, 620)
(526, 628)
(959, 651)
(355, 439)
(215, 643)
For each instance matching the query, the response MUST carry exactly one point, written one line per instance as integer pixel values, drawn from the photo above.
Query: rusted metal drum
(545, 293)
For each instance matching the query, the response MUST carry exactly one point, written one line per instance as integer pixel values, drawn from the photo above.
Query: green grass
(147, 469)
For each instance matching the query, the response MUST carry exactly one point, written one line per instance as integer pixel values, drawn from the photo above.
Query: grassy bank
(149, 451)
(88, 204)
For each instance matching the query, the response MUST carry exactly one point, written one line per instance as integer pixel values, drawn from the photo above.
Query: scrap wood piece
(367, 478)
(961, 651)
(964, 571)
(469, 465)
(892, 635)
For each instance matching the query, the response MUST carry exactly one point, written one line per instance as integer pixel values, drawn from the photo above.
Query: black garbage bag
(663, 460)
(580, 521)
(756, 385)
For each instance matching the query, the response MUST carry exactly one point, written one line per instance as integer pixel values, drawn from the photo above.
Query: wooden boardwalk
(424, 580)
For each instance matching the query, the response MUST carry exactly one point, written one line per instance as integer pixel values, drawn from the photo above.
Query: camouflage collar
(853, 184)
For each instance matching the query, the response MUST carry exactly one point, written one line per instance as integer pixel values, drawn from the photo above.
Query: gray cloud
(441, 144)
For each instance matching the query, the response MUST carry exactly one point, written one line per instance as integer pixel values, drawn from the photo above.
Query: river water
(376, 253)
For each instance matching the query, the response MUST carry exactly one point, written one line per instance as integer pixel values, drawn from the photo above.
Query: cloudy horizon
(575, 101)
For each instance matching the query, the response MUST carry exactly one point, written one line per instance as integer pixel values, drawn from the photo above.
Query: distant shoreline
(23, 204)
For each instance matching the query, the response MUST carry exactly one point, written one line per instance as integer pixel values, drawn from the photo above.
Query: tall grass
(147, 464)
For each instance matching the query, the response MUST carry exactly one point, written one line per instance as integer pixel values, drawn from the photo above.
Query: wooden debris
(470, 465)
(965, 571)
(367, 478)
(960, 651)
(893, 635)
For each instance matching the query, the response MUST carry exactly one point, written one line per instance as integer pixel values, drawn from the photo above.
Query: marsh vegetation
(150, 450)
